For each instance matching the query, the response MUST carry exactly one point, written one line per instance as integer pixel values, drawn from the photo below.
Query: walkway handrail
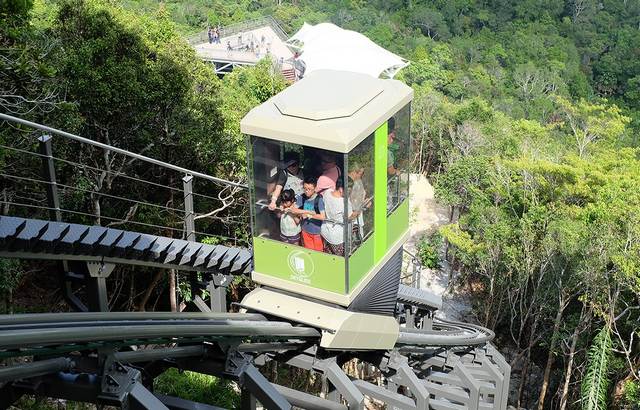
(232, 29)
(121, 151)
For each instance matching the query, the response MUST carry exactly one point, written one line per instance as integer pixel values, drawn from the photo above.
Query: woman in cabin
(358, 199)
(333, 228)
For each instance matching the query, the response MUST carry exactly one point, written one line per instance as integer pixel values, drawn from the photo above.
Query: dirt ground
(426, 215)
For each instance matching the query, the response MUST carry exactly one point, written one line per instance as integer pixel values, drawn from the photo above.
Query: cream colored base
(341, 329)
(327, 296)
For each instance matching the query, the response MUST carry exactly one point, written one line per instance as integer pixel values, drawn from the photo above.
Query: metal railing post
(189, 229)
(189, 221)
(55, 214)
(49, 173)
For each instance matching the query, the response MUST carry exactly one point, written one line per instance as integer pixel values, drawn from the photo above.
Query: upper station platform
(245, 44)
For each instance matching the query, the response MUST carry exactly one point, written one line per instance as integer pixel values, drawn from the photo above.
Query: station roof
(328, 109)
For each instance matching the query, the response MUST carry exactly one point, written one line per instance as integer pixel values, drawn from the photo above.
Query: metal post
(189, 223)
(96, 275)
(49, 173)
(189, 227)
(97, 294)
(53, 202)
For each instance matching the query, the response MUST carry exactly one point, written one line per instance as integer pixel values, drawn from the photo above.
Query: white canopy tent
(327, 46)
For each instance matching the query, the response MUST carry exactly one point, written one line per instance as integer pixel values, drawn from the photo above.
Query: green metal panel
(299, 265)
(380, 193)
(361, 262)
(398, 223)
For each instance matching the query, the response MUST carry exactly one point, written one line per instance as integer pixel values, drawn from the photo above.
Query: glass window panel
(265, 159)
(398, 158)
(327, 169)
(298, 196)
(360, 182)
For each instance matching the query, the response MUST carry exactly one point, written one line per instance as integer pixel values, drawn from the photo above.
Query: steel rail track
(453, 334)
(21, 338)
(32, 318)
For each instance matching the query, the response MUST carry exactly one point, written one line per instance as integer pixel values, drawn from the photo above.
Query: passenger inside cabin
(289, 176)
(333, 228)
(393, 173)
(358, 198)
(310, 206)
(391, 157)
(289, 221)
(329, 172)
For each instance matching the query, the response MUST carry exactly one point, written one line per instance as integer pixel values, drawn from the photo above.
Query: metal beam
(260, 388)
(176, 403)
(142, 399)
(149, 355)
(345, 386)
(391, 399)
(34, 369)
(306, 400)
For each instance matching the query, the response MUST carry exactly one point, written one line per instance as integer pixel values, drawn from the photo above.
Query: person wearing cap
(289, 177)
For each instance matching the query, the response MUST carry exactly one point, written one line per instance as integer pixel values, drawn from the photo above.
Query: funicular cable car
(337, 143)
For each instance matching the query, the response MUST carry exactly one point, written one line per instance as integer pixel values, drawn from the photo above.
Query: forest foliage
(526, 117)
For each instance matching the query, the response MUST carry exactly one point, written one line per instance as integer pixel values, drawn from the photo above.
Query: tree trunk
(147, 293)
(523, 380)
(569, 370)
(172, 290)
(550, 356)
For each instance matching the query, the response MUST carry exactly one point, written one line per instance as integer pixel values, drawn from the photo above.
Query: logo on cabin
(301, 266)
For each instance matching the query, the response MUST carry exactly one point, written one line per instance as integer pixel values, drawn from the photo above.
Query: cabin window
(399, 141)
(360, 188)
(298, 195)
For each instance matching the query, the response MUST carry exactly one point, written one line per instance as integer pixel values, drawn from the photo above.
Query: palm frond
(595, 384)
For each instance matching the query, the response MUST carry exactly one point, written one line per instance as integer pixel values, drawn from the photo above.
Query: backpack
(316, 202)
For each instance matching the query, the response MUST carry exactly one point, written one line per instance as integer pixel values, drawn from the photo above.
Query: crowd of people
(214, 35)
(311, 206)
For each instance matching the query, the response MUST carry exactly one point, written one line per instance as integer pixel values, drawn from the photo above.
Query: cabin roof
(328, 109)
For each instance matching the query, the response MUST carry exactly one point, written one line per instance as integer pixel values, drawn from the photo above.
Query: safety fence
(243, 26)
(55, 175)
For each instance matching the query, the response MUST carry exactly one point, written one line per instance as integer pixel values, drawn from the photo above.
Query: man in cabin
(289, 176)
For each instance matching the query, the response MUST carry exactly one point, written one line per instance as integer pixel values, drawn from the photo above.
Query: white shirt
(294, 182)
(288, 225)
(332, 229)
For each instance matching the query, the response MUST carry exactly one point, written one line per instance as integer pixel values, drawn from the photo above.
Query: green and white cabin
(346, 116)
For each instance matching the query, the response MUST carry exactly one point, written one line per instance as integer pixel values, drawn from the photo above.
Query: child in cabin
(310, 207)
(289, 222)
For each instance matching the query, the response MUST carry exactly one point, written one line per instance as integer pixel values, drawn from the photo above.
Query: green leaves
(595, 383)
